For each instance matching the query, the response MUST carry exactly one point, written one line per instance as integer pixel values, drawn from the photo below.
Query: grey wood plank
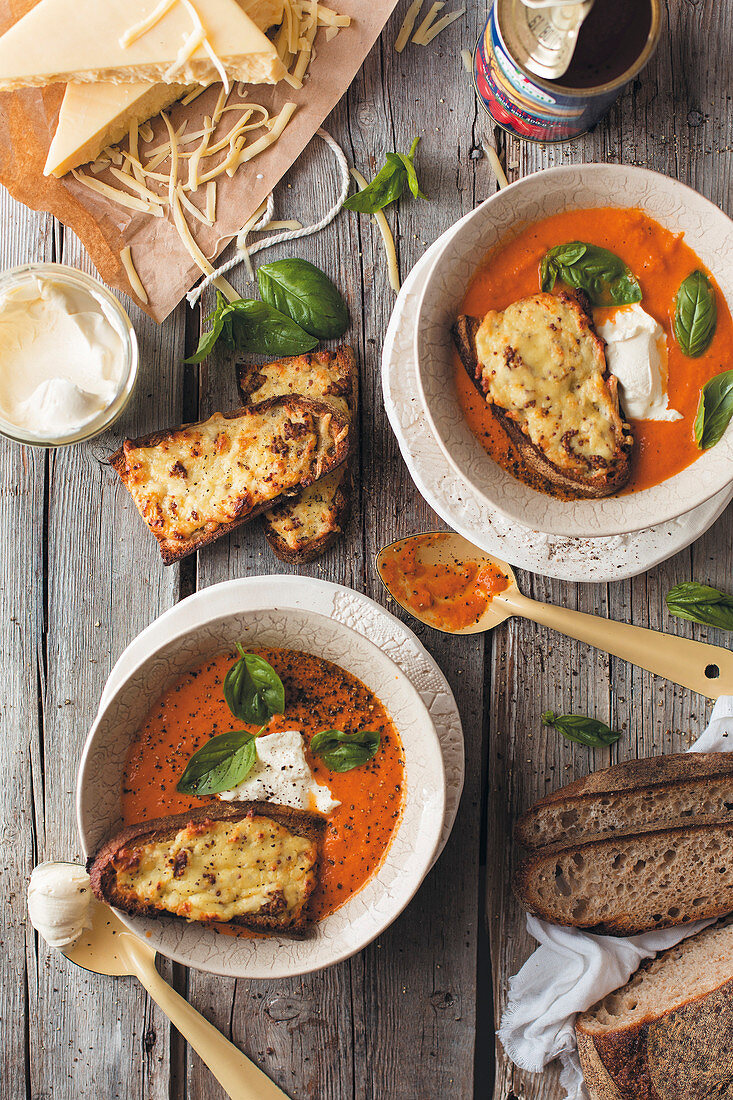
(675, 119)
(91, 1035)
(26, 237)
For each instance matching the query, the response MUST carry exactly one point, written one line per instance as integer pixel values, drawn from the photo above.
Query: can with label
(616, 40)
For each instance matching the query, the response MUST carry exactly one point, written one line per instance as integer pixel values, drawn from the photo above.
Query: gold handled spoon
(110, 948)
(705, 668)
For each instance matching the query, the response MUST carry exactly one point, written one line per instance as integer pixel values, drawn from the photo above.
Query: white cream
(281, 774)
(62, 356)
(636, 353)
(59, 895)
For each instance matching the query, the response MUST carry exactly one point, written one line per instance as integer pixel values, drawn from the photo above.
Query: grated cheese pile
(168, 178)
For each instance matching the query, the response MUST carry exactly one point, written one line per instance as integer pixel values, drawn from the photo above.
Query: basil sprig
(343, 751)
(253, 690)
(582, 730)
(220, 764)
(302, 291)
(252, 326)
(388, 184)
(714, 410)
(700, 603)
(695, 314)
(603, 275)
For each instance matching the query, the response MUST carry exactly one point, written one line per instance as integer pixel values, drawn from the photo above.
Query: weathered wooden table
(412, 1016)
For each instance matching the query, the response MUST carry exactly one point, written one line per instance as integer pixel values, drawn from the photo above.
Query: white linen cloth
(571, 970)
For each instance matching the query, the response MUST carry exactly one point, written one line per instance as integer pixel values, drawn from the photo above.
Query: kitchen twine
(287, 234)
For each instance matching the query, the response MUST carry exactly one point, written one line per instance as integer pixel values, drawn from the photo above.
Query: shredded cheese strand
(281, 121)
(427, 22)
(116, 195)
(408, 23)
(467, 59)
(441, 25)
(134, 184)
(495, 164)
(132, 276)
(146, 23)
(194, 210)
(387, 238)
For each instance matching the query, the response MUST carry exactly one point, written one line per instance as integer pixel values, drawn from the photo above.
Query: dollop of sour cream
(62, 356)
(59, 895)
(281, 774)
(636, 353)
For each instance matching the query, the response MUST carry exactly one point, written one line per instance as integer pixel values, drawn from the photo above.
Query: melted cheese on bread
(541, 363)
(313, 515)
(221, 870)
(197, 479)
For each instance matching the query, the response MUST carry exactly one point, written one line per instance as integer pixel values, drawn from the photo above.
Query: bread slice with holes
(660, 791)
(541, 368)
(626, 884)
(253, 864)
(303, 527)
(668, 1033)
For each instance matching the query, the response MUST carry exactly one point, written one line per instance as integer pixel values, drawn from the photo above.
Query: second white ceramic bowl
(409, 857)
(707, 231)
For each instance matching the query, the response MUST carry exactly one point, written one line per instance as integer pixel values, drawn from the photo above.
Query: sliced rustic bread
(661, 791)
(668, 1033)
(623, 885)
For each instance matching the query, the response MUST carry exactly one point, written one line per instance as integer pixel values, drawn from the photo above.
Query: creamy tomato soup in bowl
(568, 334)
(273, 707)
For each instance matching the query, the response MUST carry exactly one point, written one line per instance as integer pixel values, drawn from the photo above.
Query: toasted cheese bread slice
(302, 528)
(541, 368)
(195, 483)
(249, 863)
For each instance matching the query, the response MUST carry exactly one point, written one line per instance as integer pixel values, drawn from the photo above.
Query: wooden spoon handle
(705, 668)
(240, 1078)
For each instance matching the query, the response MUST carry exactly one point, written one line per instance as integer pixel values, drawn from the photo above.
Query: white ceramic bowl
(409, 857)
(707, 231)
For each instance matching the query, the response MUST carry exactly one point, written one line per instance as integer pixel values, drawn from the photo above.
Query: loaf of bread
(663, 790)
(668, 1033)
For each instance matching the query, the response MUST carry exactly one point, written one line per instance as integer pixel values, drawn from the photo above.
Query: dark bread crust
(545, 475)
(342, 444)
(658, 773)
(684, 1054)
(624, 922)
(250, 379)
(102, 873)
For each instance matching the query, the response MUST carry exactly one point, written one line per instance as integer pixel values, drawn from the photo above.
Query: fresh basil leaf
(207, 340)
(408, 162)
(699, 603)
(581, 729)
(303, 292)
(253, 690)
(220, 764)
(262, 330)
(603, 275)
(714, 410)
(343, 751)
(695, 314)
(388, 184)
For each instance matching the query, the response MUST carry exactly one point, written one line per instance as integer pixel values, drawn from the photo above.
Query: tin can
(531, 107)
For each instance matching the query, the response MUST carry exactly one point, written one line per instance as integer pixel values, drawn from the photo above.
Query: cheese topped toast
(304, 526)
(250, 863)
(193, 484)
(541, 368)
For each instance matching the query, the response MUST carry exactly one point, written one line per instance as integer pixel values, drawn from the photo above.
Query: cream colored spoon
(707, 669)
(109, 948)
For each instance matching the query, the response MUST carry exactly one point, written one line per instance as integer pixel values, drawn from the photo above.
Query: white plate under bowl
(707, 230)
(594, 560)
(410, 855)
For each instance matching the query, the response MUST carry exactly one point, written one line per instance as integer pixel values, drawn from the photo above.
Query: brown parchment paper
(28, 120)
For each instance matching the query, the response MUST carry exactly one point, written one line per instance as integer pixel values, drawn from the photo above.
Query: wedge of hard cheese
(87, 41)
(193, 484)
(93, 116)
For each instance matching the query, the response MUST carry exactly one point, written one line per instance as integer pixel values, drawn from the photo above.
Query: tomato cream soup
(660, 260)
(318, 695)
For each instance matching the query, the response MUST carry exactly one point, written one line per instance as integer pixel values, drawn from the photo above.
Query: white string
(288, 234)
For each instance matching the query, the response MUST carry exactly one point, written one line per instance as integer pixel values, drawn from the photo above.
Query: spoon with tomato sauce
(451, 585)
